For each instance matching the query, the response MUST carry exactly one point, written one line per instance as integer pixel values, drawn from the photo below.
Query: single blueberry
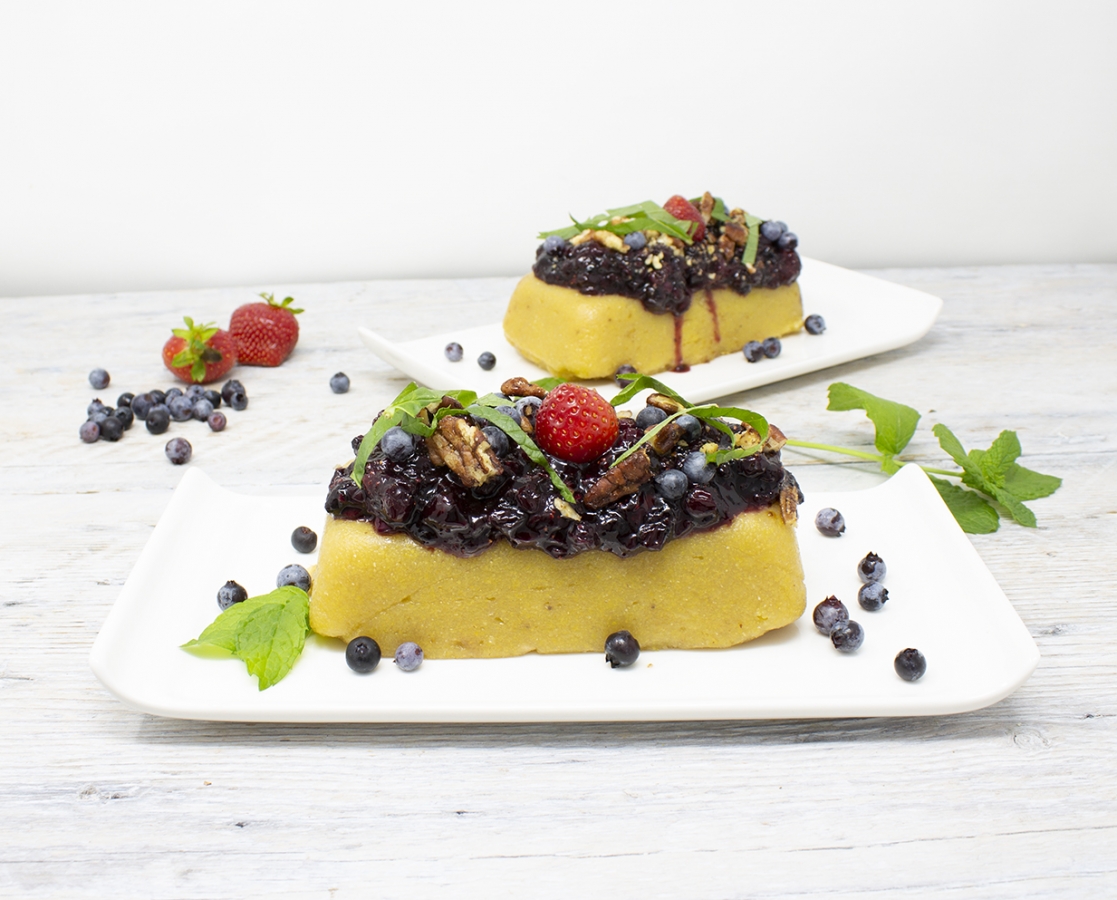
(397, 444)
(157, 397)
(293, 574)
(814, 324)
(872, 596)
(125, 399)
(237, 400)
(830, 522)
(158, 419)
(409, 656)
(789, 240)
(217, 421)
(771, 347)
(497, 439)
(486, 360)
(362, 654)
(636, 240)
(830, 613)
(626, 369)
(649, 416)
(141, 406)
(231, 387)
(213, 397)
(553, 243)
(871, 568)
(697, 468)
(194, 393)
(99, 378)
(454, 351)
(672, 484)
(848, 636)
(512, 413)
(910, 664)
(621, 649)
(202, 409)
(178, 451)
(180, 408)
(304, 539)
(772, 230)
(339, 384)
(692, 427)
(90, 431)
(229, 593)
(126, 416)
(112, 429)
(96, 406)
(528, 406)
(754, 351)
(171, 394)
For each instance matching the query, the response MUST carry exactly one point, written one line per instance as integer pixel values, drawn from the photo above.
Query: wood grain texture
(1016, 800)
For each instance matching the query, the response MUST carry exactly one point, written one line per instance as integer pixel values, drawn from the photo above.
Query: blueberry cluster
(769, 348)
(157, 409)
(362, 654)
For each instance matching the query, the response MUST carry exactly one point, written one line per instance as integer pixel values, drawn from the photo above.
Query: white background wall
(183, 144)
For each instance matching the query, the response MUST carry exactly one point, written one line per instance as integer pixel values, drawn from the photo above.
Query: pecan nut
(736, 232)
(521, 387)
(790, 498)
(623, 479)
(463, 449)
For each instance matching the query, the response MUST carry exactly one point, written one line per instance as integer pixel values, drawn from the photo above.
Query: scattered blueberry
(362, 654)
(157, 396)
(636, 240)
(691, 426)
(158, 419)
(697, 468)
(304, 539)
(486, 360)
(180, 408)
(213, 397)
(872, 596)
(671, 484)
(100, 415)
(814, 324)
(171, 394)
(216, 421)
(339, 384)
(497, 439)
(231, 387)
(95, 406)
(178, 450)
(524, 404)
(194, 393)
(90, 431)
(293, 574)
(112, 429)
(649, 416)
(773, 231)
(871, 568)
(754, 351)
(553, 244)
(237, 400)
(847, 636)
(125, 399)
(99, 378)
(771, 347)
(910, 664)
(626, 369)
(202, 409)
(789, 240)
(829, 614)
(512, 413)
(621, 649)
(830, 522)
(126, 416)
(409, 656)
(454, 351)
(229, 593)
(397, 444)
(141, 405)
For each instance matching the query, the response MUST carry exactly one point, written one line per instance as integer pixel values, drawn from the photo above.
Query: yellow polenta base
(573, 335)
(713, 589)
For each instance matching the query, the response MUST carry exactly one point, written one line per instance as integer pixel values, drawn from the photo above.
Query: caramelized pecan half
(462, 447)
(521, 387)
(623, 479)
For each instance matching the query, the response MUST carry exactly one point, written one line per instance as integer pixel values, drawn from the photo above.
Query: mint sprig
(646, 216)
(266, 632)
(991, 475)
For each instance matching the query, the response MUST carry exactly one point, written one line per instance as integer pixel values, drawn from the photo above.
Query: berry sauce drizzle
(431, 505)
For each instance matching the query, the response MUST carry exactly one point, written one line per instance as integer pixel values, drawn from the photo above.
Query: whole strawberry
(575, 423)
(265, 333)
(681, 208)
(199, 354)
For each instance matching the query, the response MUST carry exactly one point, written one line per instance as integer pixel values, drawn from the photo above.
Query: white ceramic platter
(942, 601)
(864, 316)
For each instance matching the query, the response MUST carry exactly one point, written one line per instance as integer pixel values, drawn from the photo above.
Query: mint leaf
(895, 423)
(637, 383)
(970, 510)
(986, 471)
(753, 240)
(1028, 485)
(266, 632)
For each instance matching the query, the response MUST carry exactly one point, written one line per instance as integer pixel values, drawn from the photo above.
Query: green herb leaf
(266, 632)
(970, 510)
(986, 471)
(895, 423)
(508, 425)
(748, 257)
(549, 383)
(637, 383)
(644, 216)
(1028, 485)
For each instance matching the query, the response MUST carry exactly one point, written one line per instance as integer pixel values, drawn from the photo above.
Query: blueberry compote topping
(590, 268)
(415, 497)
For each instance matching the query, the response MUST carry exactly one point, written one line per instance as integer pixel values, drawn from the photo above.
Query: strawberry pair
(260, 334)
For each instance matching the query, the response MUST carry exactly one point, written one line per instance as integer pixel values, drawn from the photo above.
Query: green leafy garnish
(718, 214)
(266, 632)
(753, 225)
(646, 216)
(992, 475)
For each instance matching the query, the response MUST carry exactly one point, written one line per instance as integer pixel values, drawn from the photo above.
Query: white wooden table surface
(1016, 800)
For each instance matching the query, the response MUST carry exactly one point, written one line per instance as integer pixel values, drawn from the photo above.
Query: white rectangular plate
(942, 600)
(864, 316)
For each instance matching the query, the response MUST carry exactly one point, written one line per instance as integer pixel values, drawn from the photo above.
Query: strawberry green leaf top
(286, 304)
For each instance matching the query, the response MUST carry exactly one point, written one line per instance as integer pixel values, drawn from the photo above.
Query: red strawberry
(681, 208)
(265, 333)
(575, 423)
(199, 353)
